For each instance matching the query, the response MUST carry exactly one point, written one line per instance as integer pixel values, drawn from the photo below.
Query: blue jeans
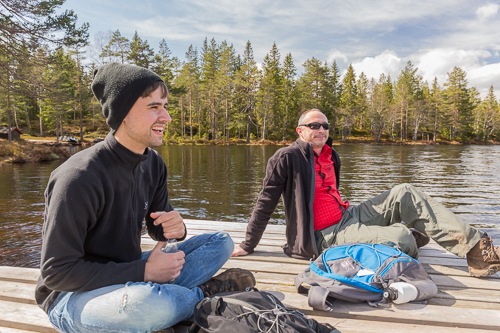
(141, 306)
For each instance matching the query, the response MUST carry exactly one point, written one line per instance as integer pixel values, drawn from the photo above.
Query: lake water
(222, 183)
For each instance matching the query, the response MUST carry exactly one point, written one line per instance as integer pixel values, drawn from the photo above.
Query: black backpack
(251, 312)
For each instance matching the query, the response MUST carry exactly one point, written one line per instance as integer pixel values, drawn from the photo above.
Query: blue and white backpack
(357, 272)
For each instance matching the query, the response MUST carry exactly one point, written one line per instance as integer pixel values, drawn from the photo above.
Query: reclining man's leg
(418, 210)
(378, 220)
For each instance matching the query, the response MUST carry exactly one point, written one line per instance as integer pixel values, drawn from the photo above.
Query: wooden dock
(463, 304)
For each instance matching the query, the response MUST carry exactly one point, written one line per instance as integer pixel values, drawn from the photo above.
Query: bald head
(313, 128)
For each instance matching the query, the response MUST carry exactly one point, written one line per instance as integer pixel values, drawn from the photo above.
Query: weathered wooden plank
(416, 314)
(19, 274)
(363, 326)
(230, 226)
(24, 317)
(13, 330)
(17, 292)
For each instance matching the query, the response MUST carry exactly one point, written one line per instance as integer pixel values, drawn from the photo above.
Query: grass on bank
(21, 151)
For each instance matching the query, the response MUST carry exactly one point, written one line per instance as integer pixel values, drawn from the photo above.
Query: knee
(405, 240)
(225, 241)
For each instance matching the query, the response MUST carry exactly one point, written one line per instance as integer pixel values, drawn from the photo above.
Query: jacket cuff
(185, 234)
(247, 248)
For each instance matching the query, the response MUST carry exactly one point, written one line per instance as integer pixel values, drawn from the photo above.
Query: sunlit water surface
(222, 183)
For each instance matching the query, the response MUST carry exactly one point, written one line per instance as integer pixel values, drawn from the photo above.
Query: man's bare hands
(172, 223)
(238, 251)
(163, 267)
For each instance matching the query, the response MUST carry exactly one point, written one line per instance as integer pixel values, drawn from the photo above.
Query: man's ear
(299, 131)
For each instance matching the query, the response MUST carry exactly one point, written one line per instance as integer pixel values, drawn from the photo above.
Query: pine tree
(189, 77)
(118, 48)
(362, 99)
(436, 100)
(349, 106)
(406, 86)
(489, 115)
(141, 53)
(313, 83)
(225, 82)
(270, 92)
(247, 79)
(165, 66)
(209, 67)
(459, 104)
(289, 98)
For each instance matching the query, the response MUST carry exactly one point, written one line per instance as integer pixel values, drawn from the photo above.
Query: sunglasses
(316, 126)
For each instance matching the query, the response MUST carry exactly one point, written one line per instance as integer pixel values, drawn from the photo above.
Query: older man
(94, 276)
(307, 175)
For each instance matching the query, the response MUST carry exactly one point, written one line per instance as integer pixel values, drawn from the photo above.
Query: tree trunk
(182, 120)
(226, 125)
(9, 135)
(27, 112)
(248, 127)
(79, 95)
(57, 126)
(190, 114)
(40, 109)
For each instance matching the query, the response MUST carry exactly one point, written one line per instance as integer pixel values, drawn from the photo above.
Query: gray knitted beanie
(117, 87)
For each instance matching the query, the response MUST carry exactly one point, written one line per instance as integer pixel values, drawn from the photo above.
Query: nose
(165, 116)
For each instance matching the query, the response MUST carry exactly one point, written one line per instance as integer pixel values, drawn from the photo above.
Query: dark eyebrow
(157, 103)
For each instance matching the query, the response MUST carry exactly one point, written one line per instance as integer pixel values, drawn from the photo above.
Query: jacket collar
(124, 155)
(307, 148)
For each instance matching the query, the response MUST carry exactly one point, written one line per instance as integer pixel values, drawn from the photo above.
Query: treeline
(217, 93)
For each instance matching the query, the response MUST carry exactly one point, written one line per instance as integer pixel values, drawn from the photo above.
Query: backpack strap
(215, 303)
(318, 298)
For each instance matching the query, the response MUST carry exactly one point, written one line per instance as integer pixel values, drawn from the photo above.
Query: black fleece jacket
(290, 173)
(95, 203)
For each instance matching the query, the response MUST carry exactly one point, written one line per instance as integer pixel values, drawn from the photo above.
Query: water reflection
(223, 182)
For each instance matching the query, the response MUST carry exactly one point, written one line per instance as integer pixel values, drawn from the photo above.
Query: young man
(94, 276)
(307, 175)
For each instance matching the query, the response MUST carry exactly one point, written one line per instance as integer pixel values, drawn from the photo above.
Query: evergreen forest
(220, 93)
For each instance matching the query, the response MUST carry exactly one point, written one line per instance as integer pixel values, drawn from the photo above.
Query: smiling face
(144, 124)
(316, 137)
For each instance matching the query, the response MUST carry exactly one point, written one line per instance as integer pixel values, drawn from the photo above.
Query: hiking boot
(233, 279)
(421, 238)
(478, 268)
(484, 258)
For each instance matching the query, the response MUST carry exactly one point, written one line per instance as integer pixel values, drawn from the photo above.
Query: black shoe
(421, 238)
(234, 279)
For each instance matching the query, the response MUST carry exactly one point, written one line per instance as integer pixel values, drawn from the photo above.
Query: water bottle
(401, 292)
(171, 246)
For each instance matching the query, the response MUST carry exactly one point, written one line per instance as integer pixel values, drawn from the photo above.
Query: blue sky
(375, 36)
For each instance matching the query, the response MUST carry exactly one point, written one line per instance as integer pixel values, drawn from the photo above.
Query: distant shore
(33, 149)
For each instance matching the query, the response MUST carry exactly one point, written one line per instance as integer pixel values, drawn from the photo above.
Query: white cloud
(483, 77)
(487, 11)
(388, 62)
(438, 62)
(435, 63)
(336, 55)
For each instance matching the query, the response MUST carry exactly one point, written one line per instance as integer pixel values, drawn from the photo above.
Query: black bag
(251, 312)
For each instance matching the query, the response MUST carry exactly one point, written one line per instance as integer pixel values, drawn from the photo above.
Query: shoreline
(32, 149)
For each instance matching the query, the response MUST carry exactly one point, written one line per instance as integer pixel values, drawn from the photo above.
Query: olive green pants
(378, 221)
